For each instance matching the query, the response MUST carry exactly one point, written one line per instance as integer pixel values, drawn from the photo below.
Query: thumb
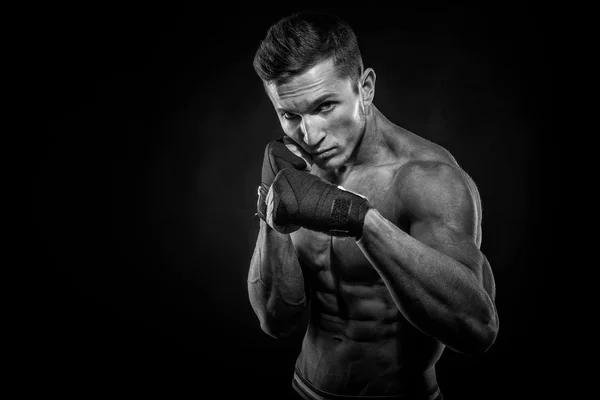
(298, 151)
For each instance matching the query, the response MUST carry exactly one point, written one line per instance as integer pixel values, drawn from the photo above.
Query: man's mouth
(323, 153)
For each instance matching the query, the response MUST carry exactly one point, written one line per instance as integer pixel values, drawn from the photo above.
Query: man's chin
(330, 163)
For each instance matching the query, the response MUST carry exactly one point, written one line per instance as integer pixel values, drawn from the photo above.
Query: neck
(371, 148)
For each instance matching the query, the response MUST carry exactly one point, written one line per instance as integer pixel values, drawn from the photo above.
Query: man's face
(320, 112)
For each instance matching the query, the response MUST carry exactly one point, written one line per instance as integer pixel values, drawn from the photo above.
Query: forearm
(276, 283)
(436, 293)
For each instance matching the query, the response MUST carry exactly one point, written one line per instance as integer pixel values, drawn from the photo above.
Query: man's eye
(327, 106)
(288, 115)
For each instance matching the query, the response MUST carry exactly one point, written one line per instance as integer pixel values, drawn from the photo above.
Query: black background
(144, 176)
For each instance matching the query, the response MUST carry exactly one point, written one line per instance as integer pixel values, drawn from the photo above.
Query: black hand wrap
(277, 157)
(299, 198)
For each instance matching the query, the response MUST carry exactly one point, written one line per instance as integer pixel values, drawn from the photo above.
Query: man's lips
(321, 153)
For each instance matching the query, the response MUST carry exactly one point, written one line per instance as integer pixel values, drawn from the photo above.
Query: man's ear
(367, 83)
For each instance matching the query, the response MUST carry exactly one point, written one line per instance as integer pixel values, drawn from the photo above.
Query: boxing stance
(369, 228)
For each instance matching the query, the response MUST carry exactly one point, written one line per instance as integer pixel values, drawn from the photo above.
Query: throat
(338, 175)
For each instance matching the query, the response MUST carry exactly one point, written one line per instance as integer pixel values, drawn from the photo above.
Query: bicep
(452, 242)
(446, 215)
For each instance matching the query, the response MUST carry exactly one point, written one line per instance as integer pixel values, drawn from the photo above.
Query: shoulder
(428, 180)
(436, 188)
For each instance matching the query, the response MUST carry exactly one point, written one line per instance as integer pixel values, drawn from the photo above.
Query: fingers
(298, 151)
(274, 217)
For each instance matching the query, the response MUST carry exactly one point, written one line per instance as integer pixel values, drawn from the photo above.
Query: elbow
(478, 338)
(283, 322)
(490, 331)
(276, 328)
(484, 331)
(483, 337)
(274, 331)
(486, 338)
(276, 319)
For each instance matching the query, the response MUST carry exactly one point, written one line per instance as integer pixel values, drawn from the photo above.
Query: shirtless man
(368, 227)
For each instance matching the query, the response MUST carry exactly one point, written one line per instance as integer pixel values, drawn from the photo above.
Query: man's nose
(312, 133)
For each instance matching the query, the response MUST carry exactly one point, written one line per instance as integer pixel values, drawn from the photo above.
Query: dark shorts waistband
(308, 392)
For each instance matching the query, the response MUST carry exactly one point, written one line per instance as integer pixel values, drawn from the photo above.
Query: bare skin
(384, 307)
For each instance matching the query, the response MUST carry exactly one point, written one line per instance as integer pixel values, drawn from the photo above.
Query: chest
(340, 258)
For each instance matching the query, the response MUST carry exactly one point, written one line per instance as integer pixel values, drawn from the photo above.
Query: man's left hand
(297, 198)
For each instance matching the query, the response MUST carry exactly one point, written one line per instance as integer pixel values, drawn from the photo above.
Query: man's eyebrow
(314, 103)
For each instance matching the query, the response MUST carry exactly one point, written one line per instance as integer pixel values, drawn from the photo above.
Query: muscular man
(368, 227)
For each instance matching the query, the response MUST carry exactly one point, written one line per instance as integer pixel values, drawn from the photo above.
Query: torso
(358, 342)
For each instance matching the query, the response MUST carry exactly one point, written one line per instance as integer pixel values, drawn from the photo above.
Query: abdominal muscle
(357, 341)
(361, 356)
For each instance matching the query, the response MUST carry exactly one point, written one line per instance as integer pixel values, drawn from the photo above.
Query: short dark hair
(299, 41)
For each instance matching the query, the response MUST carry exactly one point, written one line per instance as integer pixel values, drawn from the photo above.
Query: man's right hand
(279, 154)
